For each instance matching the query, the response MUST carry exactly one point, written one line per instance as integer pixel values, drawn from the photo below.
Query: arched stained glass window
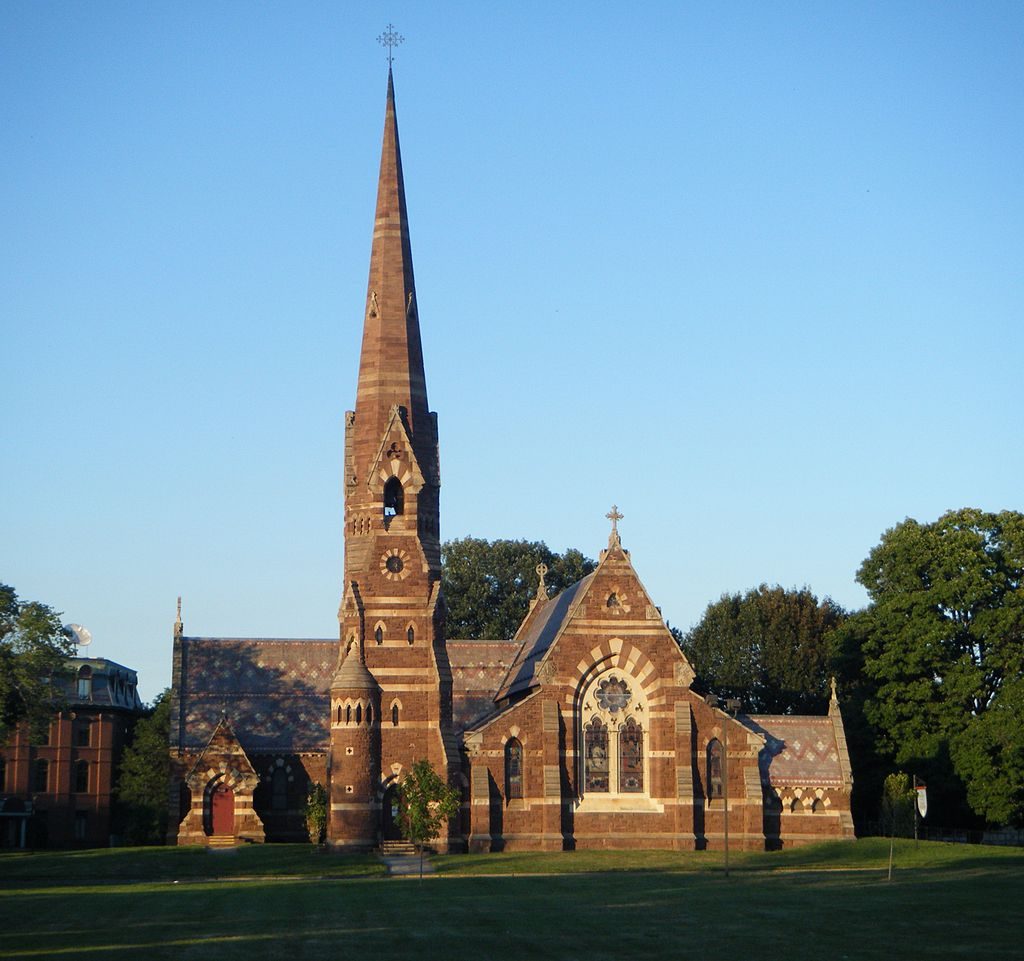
(595, 746)
(513, 769)
(631, 757)
(715, 769)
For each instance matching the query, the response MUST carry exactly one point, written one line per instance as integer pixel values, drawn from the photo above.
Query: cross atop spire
(390, 39)
(614, 516)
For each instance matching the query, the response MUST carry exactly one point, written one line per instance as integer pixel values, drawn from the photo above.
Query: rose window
(613, 695)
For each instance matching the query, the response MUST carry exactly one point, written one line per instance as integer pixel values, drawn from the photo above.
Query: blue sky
(753, 272)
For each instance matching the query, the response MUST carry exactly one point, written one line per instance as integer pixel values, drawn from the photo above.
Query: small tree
(141, 788)
(898, 805)
(316, 812)
(426, 803)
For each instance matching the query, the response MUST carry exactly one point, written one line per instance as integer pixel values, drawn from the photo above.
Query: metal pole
(725, 777)
(915, 808)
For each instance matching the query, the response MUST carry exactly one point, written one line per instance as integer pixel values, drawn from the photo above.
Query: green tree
(144, 776)
(769, 647)
(316, 812)
(941, 647)
(898, 802)
(426, 802)
(34, 649)
(488, 584)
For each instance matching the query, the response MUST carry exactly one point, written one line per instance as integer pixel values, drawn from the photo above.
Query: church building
(582, 731)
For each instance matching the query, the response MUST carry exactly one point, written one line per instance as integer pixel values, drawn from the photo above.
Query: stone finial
(614, 516)
(542, 589)
(835, 695)
(178, 626)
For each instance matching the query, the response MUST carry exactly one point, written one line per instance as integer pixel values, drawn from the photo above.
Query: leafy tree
(144, 776)
(426, 802)
(34, 649)
(769, 647)
(941, 647)
(488, 584)
(316, 812)
(898, 802)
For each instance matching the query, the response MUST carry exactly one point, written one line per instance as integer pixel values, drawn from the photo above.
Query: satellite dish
(82, 636)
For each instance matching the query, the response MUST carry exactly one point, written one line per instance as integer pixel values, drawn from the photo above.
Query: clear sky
(751, 271)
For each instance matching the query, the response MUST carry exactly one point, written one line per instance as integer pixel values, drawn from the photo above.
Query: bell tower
(391, 616)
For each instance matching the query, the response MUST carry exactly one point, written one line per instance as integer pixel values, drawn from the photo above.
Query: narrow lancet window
(631, 758)
(595, 759)
(715, 769)
(513, 769)
(394, 715)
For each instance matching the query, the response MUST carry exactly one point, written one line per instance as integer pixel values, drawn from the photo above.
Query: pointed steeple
(391, 361)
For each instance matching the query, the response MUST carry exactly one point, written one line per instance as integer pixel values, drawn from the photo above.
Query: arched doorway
(222, 810)
(390, 825)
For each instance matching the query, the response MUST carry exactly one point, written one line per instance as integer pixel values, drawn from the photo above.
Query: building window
(715, 769)
(595, 739)
(359, 714)
(378, 635)
(41, 776)
(83, 732)
(82, 777)
(394, 715)
(369, 715)
(631, 758)
(513, 769)
(410, 635)
(279, 789)
(394, 498)
(85, 682)
(348, 713)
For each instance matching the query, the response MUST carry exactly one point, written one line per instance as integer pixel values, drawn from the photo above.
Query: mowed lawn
(829, 901)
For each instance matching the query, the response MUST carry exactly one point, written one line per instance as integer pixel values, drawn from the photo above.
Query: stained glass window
(596, 756)
(715, 769)
(631, 758)
(513, 769)
(613, 695)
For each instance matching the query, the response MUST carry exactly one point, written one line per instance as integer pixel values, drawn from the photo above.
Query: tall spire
(391, 362)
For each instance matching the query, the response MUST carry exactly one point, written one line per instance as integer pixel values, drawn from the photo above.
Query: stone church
(582, 731)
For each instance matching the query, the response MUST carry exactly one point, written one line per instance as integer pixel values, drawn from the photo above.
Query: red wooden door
(223, 810)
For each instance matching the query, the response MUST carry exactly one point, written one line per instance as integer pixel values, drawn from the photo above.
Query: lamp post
(731, 708)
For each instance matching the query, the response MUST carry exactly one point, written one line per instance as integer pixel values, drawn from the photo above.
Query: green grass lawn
(830, 901)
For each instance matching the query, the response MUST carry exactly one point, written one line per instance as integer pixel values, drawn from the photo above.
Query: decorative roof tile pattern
(798, 750)
(276, 692)
(478, 668)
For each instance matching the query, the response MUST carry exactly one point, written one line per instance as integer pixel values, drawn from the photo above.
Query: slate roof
(541, 628)
(276, 692)
(478, 668)
(113, 685)
(799, 750)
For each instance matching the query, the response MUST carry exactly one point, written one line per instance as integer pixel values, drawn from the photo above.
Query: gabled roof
(799, 750)
(540, 628)
(277, 691)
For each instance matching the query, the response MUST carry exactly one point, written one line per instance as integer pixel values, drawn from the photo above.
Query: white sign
(922, 800)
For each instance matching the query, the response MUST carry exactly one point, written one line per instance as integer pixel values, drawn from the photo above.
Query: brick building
(582, 731)
(56, 791)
